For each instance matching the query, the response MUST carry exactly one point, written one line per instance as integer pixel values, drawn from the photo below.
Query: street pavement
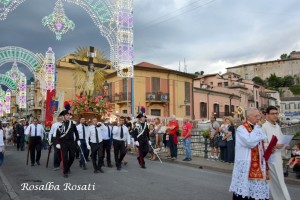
(171, 180)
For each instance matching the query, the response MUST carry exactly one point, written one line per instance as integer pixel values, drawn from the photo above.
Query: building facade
(290, 106)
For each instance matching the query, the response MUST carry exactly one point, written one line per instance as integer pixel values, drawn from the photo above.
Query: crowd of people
(90, 139)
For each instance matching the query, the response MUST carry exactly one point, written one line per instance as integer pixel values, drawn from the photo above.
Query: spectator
(152, 137)
(229, 137)
(19, 128)
(214, 135)
(223, 149)
(1, 145)
(187, 138)
(9, 132)
(158, 132)
(172, 133)
(295, 159)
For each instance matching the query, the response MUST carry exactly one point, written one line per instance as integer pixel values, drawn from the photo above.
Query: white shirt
(105, 132)
(1, 140)
(240, 183)
(54, 129)
(117, 134)
(80, 131)
(39, 130)
(91, 133)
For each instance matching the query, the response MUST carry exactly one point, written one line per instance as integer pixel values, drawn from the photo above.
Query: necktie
(83, 132)
(108, 131)
(97, 138)
(35, 131)
(122, 134)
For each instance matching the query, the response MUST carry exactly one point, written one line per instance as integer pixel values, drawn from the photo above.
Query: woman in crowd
(152, 136)
(222, 141)
(9, 132)
(158, 132)
(229, 137)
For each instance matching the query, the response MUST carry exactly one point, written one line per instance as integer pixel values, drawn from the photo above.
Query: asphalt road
(167, 181)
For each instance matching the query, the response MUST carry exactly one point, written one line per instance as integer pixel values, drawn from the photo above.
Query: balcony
(251, 98)
(157, 97)
(121, 98)
(264, 95)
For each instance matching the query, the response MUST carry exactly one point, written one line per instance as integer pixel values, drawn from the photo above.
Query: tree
(283, 56)
(259, 81)
(288, 81)
(274, 82)
(199, 73)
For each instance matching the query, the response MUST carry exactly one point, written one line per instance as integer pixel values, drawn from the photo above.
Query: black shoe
(110, 165)
(38, 162)
(186, 159)
(100, 170)
(65, 175)
(125, 163)
(143, 166)
(96, 171)
(84, 167)
(32, 164)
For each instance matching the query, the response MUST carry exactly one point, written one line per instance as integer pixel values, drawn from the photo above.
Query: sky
(210, 35)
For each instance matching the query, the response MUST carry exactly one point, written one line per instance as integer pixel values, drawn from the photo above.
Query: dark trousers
(77, 151)
(67, 149)
(84, 151)
(1, 158)
(119, 151)
(20, 142)
(56, 156)
(239, 197)
(230, 151)
(106, 149)
(97, 151)
(223, 154)
(173, 146)
(35, 145)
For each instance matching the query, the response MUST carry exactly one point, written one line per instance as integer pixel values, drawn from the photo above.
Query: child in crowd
(295, 159)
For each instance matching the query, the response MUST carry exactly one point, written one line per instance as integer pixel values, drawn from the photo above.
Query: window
(220, 84)
(227, 112)
(155, 112)
(246, 76)
(225, 84)
(187, 91)
(187, 110)
(203, 110)
(232, 109)
(155, 83)
(124, 84)
(124, 111)
(298, 105)
(287, 106)
(216, 110)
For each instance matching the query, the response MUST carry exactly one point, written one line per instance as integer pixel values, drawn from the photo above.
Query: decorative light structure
(22, 92)
(7, 101)
(14, 73)
(50, 69)
(2, 95)
(57, 21)
(8, 6)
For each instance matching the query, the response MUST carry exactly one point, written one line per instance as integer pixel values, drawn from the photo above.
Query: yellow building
(163, 92)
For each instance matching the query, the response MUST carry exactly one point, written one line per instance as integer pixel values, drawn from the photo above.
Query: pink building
(226, 95)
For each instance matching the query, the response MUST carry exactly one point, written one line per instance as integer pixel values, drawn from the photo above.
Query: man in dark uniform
(65, 142)
(140, 134)
(19, 129)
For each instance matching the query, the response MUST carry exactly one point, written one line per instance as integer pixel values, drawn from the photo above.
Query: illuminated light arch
(34, 62)
(8, 82)
(114, 18)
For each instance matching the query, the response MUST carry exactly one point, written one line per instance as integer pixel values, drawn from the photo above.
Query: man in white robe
(249, 177)
(278, 188)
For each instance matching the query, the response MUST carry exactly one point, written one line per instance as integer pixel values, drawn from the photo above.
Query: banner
(49, 108)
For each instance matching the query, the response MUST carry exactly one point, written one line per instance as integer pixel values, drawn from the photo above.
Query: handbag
(222, 143)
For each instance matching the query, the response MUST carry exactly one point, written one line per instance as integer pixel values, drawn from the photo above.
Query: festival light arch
(8, 82)
(114, 18)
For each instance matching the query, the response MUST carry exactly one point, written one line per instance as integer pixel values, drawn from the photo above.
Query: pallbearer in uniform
(121, 139)
(53, 139)
(65, 135)
(141, 137)
(96, 147)
(35, 133)
(107, 134)
(82, 131)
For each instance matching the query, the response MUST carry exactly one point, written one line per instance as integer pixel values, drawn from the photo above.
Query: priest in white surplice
(250, 174)
(278, 188)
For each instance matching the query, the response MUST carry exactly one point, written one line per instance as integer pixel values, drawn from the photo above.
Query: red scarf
(256, 172)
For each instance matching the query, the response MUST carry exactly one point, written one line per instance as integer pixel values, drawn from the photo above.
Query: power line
(171, 17)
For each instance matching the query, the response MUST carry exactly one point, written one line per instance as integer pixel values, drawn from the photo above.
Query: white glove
(137, 143)
(58, 146)
(88, 147)
(78, 142)
(150, 142)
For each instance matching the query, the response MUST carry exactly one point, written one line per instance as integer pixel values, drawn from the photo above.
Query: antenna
(185, 66)
(179, 66)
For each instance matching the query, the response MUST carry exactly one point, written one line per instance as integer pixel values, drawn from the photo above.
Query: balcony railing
(121, 97)
(157, 96)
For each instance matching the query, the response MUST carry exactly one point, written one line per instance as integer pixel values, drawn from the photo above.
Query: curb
(9, 189)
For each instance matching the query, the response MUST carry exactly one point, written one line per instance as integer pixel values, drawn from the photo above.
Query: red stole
(255, 172)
